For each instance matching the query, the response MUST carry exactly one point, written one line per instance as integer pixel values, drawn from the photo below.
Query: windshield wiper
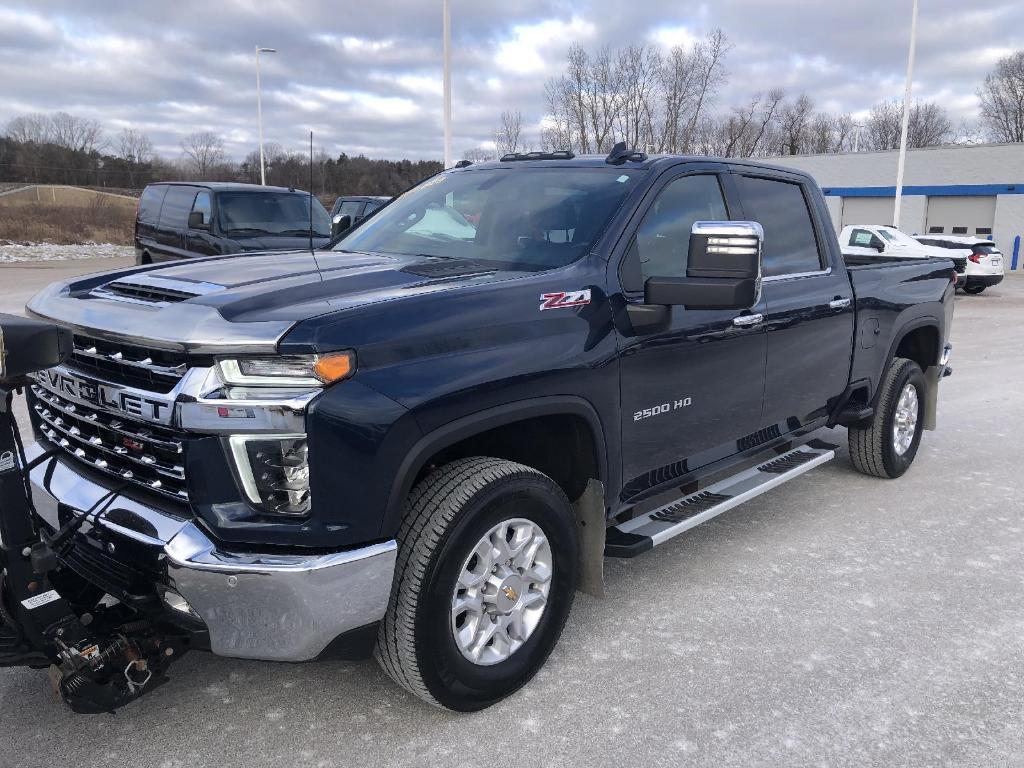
(248, 230)
(300, 233)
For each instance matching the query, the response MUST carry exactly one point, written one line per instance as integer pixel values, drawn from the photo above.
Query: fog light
(274, 472)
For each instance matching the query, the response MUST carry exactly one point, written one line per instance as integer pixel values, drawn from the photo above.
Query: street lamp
(259, 110)
(906, 119)
(446, 25)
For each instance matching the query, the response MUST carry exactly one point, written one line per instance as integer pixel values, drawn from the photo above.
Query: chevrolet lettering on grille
(107, 396)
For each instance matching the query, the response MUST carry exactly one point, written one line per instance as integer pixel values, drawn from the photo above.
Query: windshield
(512, 218)
(895, 235)
(247, 214)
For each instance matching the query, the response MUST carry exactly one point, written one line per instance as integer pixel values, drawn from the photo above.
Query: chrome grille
(157, 370)
(149, 456)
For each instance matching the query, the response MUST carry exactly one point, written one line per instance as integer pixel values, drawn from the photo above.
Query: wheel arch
(496, 429)
(919, 340)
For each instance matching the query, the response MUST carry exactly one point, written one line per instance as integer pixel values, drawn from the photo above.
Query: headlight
(287, 370)
(274, 471)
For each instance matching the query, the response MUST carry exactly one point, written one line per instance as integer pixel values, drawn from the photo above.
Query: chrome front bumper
(255, 606)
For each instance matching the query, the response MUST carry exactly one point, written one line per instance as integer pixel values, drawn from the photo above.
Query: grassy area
(87, 218)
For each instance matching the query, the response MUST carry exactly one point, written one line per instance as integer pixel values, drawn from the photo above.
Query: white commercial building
(976, 190)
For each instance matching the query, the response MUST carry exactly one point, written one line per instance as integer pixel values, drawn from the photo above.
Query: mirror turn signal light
(334, 366)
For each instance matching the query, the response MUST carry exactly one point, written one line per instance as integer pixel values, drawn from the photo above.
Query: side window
(177, 204)
(790, 244)
(150, 202)
(662, 241)
(202, 205)
(861, 237)
(371, 206)
(351, 208)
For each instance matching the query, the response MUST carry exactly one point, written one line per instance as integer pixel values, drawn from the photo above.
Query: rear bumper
(986, 280)
(280, 607)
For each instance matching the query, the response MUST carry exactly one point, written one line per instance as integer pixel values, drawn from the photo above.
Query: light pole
(858, 129)
(259, 110)
(906, 119)
(447, 30)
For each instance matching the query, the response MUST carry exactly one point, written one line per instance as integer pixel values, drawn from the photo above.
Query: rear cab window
(791, 244)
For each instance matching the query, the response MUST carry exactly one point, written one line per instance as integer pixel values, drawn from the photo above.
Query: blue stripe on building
(944, 190)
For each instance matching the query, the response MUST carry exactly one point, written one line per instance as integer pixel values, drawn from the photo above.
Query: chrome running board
(658, 526)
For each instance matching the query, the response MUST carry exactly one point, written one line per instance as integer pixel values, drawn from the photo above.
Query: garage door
(868, 210)
(961, 215)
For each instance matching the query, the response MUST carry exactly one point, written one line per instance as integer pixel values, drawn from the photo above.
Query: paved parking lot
(838, 620)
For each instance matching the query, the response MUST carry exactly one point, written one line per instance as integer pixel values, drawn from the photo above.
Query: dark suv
(181, 219)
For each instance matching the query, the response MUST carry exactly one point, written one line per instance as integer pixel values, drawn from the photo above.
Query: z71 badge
(563, 299)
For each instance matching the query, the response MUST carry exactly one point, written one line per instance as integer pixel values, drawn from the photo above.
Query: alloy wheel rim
(502, 591)
(904, 425)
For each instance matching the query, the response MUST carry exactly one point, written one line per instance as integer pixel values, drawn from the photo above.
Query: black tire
(871, 447)
(974, 290)
(445, 515)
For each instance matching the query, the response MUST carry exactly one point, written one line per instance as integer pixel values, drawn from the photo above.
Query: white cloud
(529, 48)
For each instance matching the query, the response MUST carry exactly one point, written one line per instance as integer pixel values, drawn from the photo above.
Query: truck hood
(245, 303)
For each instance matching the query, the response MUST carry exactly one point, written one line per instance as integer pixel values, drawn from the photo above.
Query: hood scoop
(150, 289)
(447, 268)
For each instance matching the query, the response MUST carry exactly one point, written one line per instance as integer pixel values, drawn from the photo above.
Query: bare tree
(708, 61)
(204, 150)
(480, 154)
(794, 122)
(507, 135)
(635, 95)
(79, 134)
(638, 70)
(1002, 99)
(34, 128)
(135, 148)
(928, 125)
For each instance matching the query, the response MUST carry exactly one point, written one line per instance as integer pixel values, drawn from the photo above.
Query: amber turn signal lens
(334, 366)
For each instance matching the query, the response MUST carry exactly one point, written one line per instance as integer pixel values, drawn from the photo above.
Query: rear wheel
(974, 290)
(886, 447)
(485, 579)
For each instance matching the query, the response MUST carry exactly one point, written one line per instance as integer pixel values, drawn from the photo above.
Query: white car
(875, 239)
(872, 239)
(984, 265)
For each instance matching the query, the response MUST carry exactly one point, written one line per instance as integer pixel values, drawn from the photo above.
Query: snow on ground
(50, 252)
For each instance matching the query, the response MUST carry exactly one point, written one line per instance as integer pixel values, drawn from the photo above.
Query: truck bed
(894, 293)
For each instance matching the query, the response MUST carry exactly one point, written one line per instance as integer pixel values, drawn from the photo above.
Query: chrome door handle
(839, 304)
(745, 321)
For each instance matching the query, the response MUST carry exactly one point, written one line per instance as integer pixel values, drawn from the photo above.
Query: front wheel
(484, 582)
(886, 447)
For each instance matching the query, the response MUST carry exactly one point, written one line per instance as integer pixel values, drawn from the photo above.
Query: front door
(809, 316)
(691, 392)
(202, 241)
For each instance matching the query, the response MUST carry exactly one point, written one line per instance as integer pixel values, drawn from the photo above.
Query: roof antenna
(311, 192)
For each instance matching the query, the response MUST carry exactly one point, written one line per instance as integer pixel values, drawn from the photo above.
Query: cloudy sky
(365, 75)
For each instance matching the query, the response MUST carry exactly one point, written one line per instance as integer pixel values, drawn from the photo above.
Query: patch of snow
(13, 253)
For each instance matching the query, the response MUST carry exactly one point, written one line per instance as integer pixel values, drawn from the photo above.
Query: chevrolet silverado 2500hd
(424, 440)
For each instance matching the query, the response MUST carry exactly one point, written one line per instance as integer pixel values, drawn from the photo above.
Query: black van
(182, 219)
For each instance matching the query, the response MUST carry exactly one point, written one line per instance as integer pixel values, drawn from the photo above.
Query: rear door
(809, 306)
(691, 392)
(148, 217)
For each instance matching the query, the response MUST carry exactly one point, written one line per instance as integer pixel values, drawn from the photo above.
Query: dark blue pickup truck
(425, 439)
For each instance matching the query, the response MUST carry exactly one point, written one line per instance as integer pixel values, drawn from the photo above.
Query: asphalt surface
(837, 620)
